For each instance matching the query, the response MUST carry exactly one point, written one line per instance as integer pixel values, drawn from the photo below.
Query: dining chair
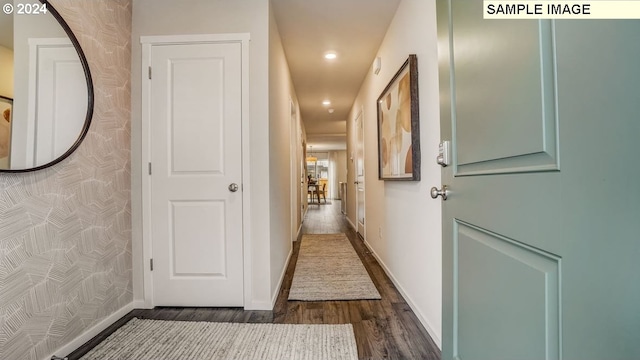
(311, 191)
(322, 192)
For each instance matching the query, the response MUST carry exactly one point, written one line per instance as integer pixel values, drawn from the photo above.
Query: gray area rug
(328, 268)
(190, 340)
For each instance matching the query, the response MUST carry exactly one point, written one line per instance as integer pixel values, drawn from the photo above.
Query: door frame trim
(360, 115)
(145, 155)
(293, 167)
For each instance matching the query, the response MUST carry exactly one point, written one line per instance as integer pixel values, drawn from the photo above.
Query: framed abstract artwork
(399, 125)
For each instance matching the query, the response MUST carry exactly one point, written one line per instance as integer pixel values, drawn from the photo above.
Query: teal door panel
(506, 71)
(507, 297)
(541, 230)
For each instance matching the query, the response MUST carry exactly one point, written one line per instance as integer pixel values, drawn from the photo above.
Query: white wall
(403, 213)
(170, 17)
(281, 93)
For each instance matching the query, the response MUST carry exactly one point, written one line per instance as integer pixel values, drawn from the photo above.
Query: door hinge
(149, 168)
(151, 264)
(149, 72)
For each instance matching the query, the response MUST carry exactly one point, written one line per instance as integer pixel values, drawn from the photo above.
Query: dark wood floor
(384, 329)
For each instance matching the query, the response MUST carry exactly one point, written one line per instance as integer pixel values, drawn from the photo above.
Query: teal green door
(541, 228)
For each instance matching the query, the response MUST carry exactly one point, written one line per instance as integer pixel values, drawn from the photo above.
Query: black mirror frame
(90, 95)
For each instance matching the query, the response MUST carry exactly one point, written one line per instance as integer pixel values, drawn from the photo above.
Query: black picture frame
(399, 125)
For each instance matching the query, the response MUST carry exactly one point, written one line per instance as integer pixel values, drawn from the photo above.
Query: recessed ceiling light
(330, 111)
(330, 55)
(326, 102)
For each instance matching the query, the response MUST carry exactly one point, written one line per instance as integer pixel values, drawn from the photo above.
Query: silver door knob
(233, 187)
(435, 192)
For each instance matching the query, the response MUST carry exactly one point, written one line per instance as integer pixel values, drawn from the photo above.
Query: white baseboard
(434, 335)
(259, 305)
(274, 297)
(299, 232)
(141, 304)
(266, 305)
(350, 223)
(92, 332)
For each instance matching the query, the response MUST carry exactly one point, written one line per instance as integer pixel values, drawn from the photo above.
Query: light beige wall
(65, 232)
(403, 224)
(6, 72)
(281, 131)
(170, 17)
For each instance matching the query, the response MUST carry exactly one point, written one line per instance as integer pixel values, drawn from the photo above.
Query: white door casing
(193, 223)
(293, 148)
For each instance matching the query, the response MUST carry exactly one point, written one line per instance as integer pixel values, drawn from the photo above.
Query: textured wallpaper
(65, 232)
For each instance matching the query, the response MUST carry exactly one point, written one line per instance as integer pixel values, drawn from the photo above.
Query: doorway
(193, 205)
(359, 188)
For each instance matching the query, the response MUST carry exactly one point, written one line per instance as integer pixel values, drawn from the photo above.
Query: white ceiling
(354, 30)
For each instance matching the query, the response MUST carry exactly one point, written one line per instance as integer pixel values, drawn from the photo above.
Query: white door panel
(196, 155)
(198, 228)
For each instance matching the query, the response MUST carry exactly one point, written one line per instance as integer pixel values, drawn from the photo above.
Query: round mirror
(46, 91)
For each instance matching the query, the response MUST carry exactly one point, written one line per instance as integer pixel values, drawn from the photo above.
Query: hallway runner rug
(160, 339)
(328, 268)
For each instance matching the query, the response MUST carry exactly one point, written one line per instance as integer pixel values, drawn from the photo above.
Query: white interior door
(196, 190)
(303, 183)
(57, 104)
(360, 175)
(293, 148)
(540, 229)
